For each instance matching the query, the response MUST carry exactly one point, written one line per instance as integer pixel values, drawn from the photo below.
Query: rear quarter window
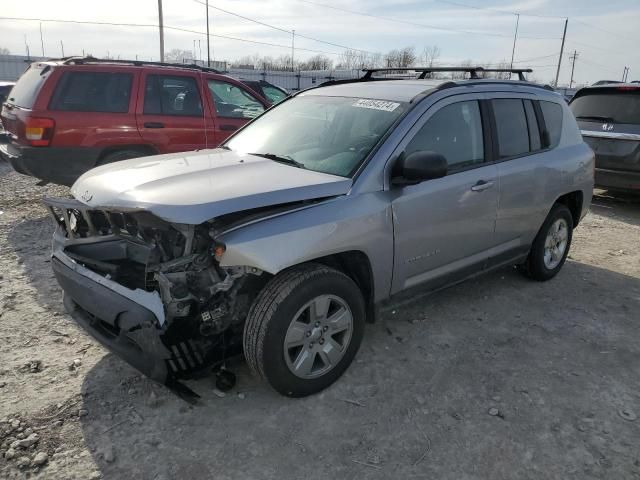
(552, 113)
(26, 90)
(106, 92)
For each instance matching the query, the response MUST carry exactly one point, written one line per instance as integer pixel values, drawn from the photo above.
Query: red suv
(67, 116)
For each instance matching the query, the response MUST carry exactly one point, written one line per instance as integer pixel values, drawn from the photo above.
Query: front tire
(304, 329)
(551, 246)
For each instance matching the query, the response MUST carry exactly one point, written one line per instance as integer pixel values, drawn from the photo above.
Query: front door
(171, 115)
(444, 228)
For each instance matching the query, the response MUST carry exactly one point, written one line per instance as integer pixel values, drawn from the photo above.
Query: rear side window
(93, 92)
(552, 113)
(608, 105)
(172, 95)
(25, 92)
(511, 126)
(454, 131)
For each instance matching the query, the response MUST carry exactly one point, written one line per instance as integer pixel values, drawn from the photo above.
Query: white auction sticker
(376, 104)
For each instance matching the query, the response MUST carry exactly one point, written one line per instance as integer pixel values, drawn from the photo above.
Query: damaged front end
(149, 290)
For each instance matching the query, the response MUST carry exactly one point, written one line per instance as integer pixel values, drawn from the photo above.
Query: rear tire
(304, 329)
(120, 155)
(551, 246)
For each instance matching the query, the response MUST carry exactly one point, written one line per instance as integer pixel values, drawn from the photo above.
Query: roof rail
(138, 63)
(472, 71)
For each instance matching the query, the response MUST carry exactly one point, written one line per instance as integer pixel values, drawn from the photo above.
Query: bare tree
(4, 51)
(317, 62)
(430, 55)
(402, 58)
(178, 56)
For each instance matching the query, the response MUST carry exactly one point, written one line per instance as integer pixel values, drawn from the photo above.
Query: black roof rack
(472, 71)
(137, 63)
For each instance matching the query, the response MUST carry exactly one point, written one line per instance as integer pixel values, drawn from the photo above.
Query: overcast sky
(605, 34)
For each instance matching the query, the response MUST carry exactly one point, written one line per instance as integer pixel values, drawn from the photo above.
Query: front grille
(79, 221)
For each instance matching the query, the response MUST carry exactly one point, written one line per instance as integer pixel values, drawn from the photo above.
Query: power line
(536, 58)
(604, 30)
(498, 11)
(167, 27)
(415, 24)
(284, 30)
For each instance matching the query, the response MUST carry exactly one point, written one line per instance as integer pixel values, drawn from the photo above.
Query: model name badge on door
(424, 255)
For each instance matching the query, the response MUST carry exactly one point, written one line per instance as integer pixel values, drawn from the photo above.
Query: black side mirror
(420, 166)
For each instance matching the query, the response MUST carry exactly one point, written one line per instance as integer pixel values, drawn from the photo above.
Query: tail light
(38, 131)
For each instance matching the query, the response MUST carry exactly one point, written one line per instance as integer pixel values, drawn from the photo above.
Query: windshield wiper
(598, 118)
(287, 160)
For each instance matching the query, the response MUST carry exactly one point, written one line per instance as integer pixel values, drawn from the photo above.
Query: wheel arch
(138, 147)
(573, 201)
(357, 266)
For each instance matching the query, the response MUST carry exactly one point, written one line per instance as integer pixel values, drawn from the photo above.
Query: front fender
(360, 222)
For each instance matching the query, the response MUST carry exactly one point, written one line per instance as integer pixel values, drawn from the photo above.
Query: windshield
(616, 106)
(326, 134)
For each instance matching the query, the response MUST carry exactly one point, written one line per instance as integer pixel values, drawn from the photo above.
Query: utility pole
(41, 40)
(573, 65)
(62, 48)
(208, 49)
(293, 43)
(27, 45)
(564, 36)
(625, 74)
(161, 26)
(515, 37)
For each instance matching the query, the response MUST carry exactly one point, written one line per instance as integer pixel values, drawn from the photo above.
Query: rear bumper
(62, 165)
(617, 180)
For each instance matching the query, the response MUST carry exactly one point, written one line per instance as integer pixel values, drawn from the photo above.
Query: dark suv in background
(68, 116)
(269, 91)
(609, 119)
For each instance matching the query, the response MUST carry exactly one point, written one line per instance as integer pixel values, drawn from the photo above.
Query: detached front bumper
(120, 324)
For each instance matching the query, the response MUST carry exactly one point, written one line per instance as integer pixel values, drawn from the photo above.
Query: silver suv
(282, 242)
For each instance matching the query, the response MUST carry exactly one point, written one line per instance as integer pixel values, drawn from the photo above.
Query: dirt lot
(495, 378)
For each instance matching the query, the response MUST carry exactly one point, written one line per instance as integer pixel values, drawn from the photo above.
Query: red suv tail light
(38, 131)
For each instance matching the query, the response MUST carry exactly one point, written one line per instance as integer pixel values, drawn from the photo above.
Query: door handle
(228, 128)
(481, 186)
(153, 125)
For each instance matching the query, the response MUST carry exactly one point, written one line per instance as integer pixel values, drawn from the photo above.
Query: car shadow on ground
(498, 377)
(622, 207)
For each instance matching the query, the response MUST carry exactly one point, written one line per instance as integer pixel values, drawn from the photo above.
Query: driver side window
(233, 101)
(454, 131)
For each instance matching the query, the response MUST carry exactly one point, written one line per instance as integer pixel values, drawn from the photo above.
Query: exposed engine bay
(204, 304)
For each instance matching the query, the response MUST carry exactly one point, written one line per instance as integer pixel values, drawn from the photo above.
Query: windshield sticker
(376, 105)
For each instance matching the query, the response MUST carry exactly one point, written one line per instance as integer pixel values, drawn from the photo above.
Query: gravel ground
(496, 378)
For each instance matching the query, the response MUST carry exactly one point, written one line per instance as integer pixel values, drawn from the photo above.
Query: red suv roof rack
(137, 63)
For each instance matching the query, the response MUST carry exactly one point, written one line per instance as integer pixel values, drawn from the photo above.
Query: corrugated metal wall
(12, 66)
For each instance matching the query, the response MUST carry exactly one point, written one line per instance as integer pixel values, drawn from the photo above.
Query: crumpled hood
(193, 187)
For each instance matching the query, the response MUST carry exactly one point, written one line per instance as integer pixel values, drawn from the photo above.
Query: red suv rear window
(26, 90)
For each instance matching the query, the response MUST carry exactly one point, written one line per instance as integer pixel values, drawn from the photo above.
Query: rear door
(170, 114)
(609, 119)
(233, 106)
(524, 168)
(444, 228)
